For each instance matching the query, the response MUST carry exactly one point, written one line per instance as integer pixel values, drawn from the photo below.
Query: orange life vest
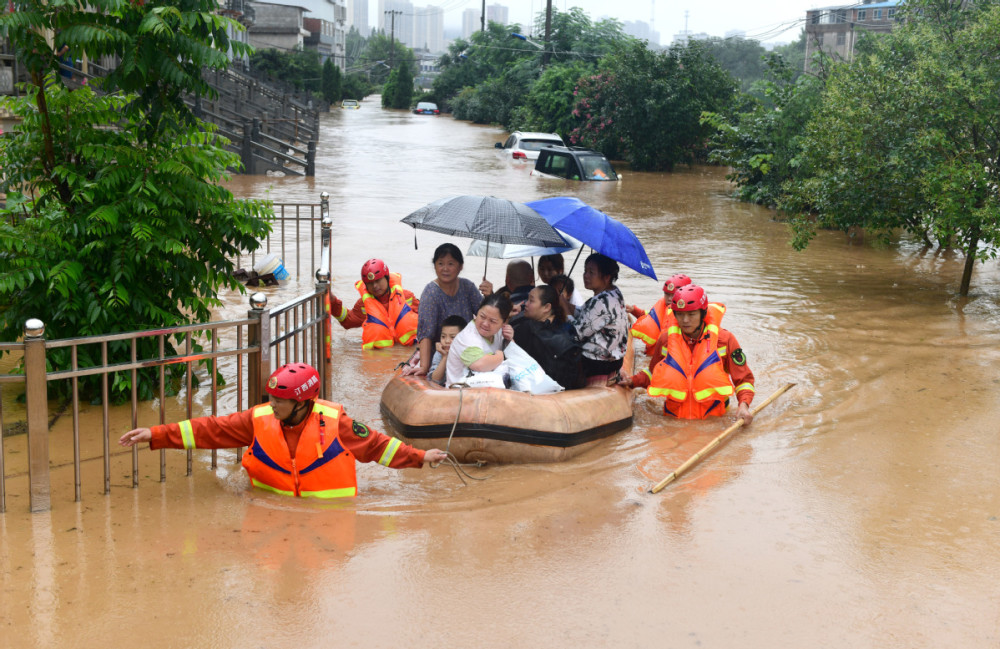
(385, 326)
(694, 382)
(648, 327)
(322, 467)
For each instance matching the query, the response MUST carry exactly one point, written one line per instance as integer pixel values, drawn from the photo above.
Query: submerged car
(526, 145)
(573, 163)
(350, 103)
(426, 108)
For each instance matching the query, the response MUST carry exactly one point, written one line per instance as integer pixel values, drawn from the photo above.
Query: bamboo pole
(718, 440)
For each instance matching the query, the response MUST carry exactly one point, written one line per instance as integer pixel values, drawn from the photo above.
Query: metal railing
(242, 352)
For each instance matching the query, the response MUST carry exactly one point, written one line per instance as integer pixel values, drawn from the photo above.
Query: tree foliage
(908, 136)
(301, 68)
(115, 218)
(644, 106)
(332, 82)
(762, 140)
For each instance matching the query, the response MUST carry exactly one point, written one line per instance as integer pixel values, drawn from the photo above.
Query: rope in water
(452, 459)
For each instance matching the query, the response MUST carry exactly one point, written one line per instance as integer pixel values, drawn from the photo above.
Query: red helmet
(296, 381)
(374, 269)
(689, 298)
(675, 283)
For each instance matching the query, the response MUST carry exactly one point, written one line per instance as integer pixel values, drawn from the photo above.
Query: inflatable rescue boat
(505, 426)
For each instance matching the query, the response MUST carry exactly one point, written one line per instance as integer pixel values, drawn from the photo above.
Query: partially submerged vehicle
(573, 163)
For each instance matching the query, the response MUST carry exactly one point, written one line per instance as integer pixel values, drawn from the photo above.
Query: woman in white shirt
(479, 347)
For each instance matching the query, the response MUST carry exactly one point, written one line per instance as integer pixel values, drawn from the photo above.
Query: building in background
(471, 22)
(277, 26)
(835, 30)
(400, 25)
(428, 29)
(357, 16)
(497, 13)
(642, 30)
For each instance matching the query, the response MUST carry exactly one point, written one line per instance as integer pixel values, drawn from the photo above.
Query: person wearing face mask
(298, 445)
(697, 365)
(386, 312)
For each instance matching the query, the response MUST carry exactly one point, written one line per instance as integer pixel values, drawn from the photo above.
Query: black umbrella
(494, 220)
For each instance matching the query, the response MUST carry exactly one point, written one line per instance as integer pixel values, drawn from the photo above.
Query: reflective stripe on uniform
(332, 413)
(187, 433)
(746, 386)
(641, 336)
(390, 452)
(724, 391)
(407, 337)
(346, 492)
(267, 487)
(676, 395)
(262, 410)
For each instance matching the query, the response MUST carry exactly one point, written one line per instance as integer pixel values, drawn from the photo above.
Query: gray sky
(761, 20)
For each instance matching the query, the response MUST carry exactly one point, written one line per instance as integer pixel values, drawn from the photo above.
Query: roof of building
(877, 5)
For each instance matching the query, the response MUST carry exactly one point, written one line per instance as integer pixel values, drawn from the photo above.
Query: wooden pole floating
(718, 440)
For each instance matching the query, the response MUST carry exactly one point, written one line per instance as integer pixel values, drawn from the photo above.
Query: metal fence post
(311, 158)
(323, 288)
(258, 335)
(37, 406)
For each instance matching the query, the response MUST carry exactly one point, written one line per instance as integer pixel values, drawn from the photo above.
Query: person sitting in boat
(552, 266)
(298, 445)
(518, 283)
(540, 331)
(602, 323)
(479, 347)
(450, 328)
(386, 312)
(697, 365)
(648, 326)
(447, 295)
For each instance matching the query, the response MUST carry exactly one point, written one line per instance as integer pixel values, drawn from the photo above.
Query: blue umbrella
(595, 229)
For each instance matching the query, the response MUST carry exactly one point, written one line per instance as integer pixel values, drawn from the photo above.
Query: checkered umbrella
(495, 220)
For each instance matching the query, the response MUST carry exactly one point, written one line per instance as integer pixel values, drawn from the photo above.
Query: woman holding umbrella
(602, 322)
(447, 295)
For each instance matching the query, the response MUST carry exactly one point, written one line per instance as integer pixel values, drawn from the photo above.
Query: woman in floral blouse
(602, 322)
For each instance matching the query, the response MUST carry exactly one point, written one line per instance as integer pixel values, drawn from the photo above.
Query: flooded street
(861, 509)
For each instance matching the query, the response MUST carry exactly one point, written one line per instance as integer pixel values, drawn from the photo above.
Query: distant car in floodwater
(426, 108)
(526, 145)
(350, 103)
(573, 163)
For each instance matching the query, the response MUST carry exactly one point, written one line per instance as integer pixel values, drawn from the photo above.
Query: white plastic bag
(492, 379)
(526, 375)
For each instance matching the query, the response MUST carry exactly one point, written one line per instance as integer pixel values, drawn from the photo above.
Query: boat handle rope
(459, 471)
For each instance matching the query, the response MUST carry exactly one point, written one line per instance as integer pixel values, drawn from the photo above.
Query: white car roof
(538, 136)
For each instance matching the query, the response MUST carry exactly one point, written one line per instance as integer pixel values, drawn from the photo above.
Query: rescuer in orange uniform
(386, 311)
(697, 365)
(648, 326)
(298, 445)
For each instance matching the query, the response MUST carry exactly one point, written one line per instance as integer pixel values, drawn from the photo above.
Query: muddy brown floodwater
(859, 510)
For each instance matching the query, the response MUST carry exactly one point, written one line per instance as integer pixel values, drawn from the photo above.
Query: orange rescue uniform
(648, 326)
(393, 316)
(314, 458)
(693, 355)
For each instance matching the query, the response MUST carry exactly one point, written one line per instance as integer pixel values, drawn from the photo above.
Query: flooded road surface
(861, 509)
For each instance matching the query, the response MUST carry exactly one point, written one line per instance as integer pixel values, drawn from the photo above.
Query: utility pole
(392, 34)
(482, 18)
(547, 54)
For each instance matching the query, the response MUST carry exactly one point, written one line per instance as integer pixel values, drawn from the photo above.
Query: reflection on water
(861, 508)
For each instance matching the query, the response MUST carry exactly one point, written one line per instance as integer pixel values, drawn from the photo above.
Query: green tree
(332, 82)
(403, 92)
(301, 68)
(762, 142)
(741, 57)
(644, 106)
(794, 54)
(908, 135)
(115, 218)
(549, 104)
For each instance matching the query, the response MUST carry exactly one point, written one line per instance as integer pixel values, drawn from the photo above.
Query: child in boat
(450, 328)
(479, 347)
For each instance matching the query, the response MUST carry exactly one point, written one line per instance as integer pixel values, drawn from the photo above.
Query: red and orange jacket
(726, 359)
(398, 306)
(648, 326)
(313, 458)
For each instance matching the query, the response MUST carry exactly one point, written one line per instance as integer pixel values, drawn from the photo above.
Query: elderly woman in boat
(479, 348)
(602, 322)
(447, 295)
